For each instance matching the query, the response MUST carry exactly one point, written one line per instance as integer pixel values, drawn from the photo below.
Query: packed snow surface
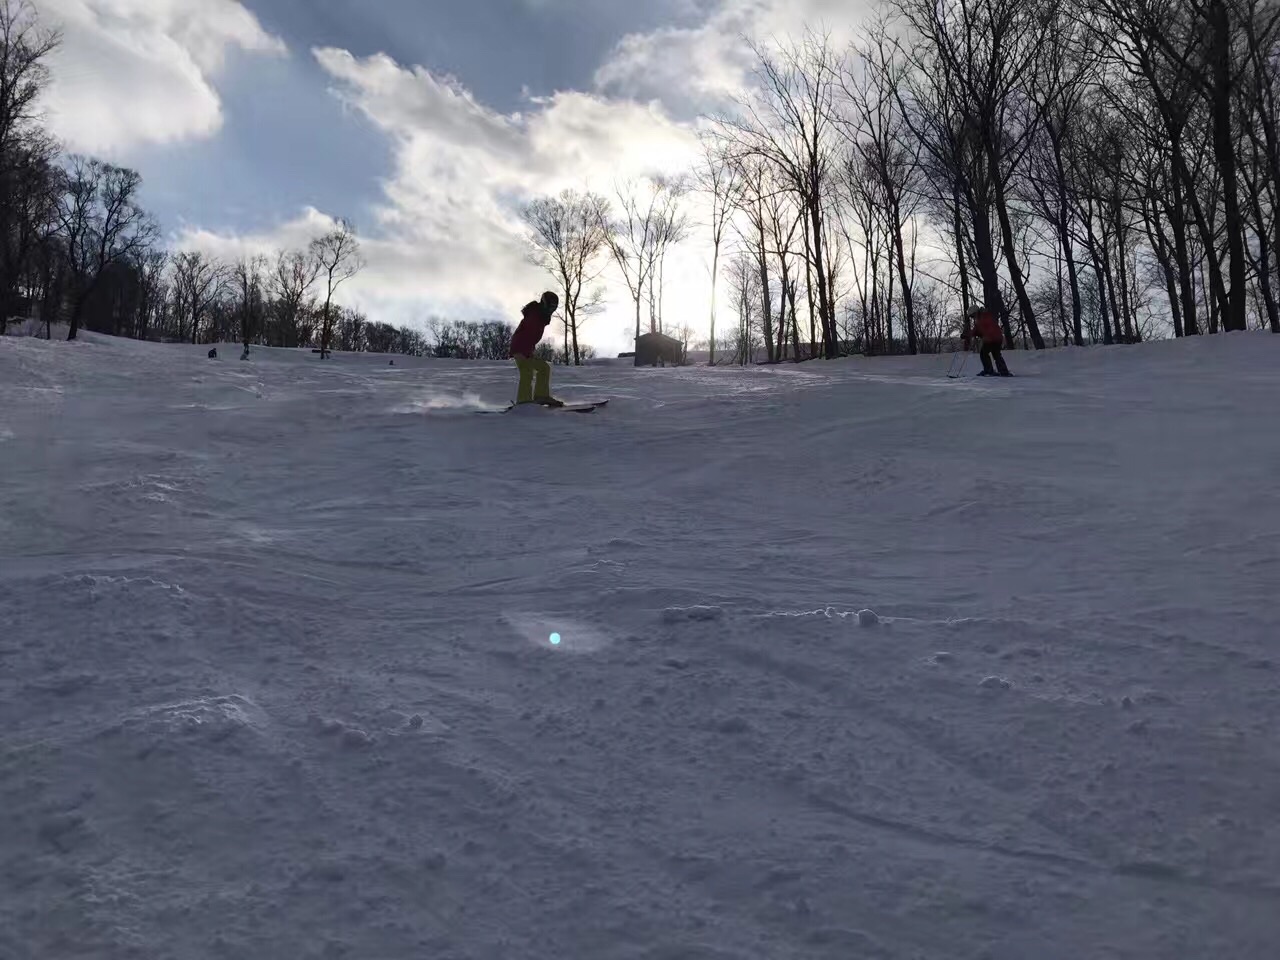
(855, 661)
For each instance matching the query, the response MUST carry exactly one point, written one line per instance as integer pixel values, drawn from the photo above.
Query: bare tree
(568, 238)
(760, 198)
(1261, 95)
(969, 60)
(744, 280)
(28, 178)
(789, 122)
(338, 254)
(294, 274)
(784, 217)
(152, 290)
(102, 226)
(719, 178)
(672, 227)
(879, 135)
(24, 47)
(199, 281)
(249, 274)
(30, 192)
(1176, 50)
(634, 234)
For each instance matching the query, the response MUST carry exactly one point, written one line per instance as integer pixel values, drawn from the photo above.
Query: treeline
(1097, 172)
(488, 340)
(77, 250)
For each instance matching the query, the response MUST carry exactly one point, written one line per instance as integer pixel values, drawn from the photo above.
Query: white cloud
(133, 72)
(295, 234)
(449, 233)
(447, 238)
(699, 69)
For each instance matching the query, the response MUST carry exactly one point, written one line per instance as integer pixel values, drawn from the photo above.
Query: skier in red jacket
(535, 374)
(983, 323)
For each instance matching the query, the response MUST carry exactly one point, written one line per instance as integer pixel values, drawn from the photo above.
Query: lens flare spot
(555, 639)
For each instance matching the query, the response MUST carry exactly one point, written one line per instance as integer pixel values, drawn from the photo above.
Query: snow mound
(294, 675)
(35, 329)
(694, 614)
(864, 618)
(207, 719)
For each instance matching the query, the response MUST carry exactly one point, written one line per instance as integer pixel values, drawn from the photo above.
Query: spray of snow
(435, 403)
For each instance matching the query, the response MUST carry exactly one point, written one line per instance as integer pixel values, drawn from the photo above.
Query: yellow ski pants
(535, 379)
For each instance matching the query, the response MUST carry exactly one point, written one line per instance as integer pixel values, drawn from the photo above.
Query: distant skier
(535, 374)
(983, 323)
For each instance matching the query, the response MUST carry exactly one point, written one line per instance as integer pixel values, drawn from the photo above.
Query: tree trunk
(992, 298)
(1182, 257)
(1095, 255)
(1264, 268)
(825, 313)
(795, 324)
(766, 301)
(1117, 213)
(808, 286)
(780, 348)
(1217, 286)
(1224, 149)
(715, 281)
(957, 226)
(662, 274)
(77, 309)
(888, 306)
(1104, 246)
(573, 329)
(1254, 191)
(913, 344)
(1161, 248)
(1011, 257)
(1073, 277)
(1214, 312)
(877, 317)
(326, 334)
(639, 297)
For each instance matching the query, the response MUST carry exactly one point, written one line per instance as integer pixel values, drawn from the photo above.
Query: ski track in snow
(855, 661)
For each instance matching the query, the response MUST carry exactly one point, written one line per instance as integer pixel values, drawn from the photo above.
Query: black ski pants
(990, 352)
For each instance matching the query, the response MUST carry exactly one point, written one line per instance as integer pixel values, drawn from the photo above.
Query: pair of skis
(591, 407)
(956, 370)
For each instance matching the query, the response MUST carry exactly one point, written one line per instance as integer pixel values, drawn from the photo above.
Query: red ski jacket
(986, 326)
(531, 329)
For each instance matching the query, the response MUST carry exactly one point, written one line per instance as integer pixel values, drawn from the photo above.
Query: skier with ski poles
(535, 374)
(983, 323)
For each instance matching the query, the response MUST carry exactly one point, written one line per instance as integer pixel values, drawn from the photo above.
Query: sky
(428, 123)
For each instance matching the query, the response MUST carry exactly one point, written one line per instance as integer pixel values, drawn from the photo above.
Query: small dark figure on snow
(213, 354)
(984, 324)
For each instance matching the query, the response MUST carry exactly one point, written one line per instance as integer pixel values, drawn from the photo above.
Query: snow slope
(276, 679)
